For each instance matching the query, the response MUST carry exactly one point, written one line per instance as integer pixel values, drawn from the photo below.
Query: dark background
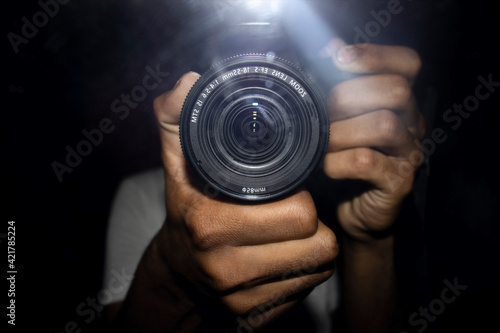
(66, 77)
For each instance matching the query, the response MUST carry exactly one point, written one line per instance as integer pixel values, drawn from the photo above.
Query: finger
(253, 265)
(381, 129)
(271, 294)
(167, 109)
(375, 92)
(214, 223)
(388, 174)
(373, 58)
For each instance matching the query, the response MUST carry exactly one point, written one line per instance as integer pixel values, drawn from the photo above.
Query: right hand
(249, 259)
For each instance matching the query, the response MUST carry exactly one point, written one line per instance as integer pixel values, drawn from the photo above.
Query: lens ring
(249, 139)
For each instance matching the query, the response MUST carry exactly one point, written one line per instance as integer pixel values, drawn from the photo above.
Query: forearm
(155, 302)
(369, 284)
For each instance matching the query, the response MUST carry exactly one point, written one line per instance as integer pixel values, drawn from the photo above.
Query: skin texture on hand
(375, 133)
(256, 261)
(239, 259)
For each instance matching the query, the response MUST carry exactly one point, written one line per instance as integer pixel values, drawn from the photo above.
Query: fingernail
(347, 54)
(177, 83)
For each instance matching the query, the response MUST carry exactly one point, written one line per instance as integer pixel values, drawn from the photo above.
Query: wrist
(155, 290)
(368, 243)
(367, 239)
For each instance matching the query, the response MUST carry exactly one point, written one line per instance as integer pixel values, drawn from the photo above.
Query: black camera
(255, 125)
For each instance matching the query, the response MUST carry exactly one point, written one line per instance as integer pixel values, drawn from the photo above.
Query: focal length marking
(235, 72)
(227, 76)
(201, 99)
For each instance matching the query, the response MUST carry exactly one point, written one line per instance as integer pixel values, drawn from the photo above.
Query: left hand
(375, 134)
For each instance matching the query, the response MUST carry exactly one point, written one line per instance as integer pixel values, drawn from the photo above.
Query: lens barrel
(253, 128)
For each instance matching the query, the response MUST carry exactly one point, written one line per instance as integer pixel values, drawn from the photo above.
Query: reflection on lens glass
(253, 128)
(251, 132)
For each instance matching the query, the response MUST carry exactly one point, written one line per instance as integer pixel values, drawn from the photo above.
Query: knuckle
(328, 245)
(218, 270)
(223, 282)
(304, 219)
(363, 160)
(204, 229)
(407, 186)
(222, 275)
(407, 173)
(399, 90)
(398, 178)
(390, 126)
(201, 236)
(415, 61)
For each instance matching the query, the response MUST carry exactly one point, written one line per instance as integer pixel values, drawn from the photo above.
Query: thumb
(167, 108)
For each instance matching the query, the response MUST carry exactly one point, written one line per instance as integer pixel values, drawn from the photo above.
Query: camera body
(255, 125)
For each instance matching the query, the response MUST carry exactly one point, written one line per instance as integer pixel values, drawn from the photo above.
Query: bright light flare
(261, 11)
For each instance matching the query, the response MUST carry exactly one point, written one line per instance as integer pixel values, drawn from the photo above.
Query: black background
(66, 77)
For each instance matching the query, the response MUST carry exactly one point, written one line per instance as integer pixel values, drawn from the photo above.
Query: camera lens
(253, 128)
(253, 131)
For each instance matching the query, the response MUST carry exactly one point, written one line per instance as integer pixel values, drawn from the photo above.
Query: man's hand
(374, 133)
(374, 138)
(250, 261)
